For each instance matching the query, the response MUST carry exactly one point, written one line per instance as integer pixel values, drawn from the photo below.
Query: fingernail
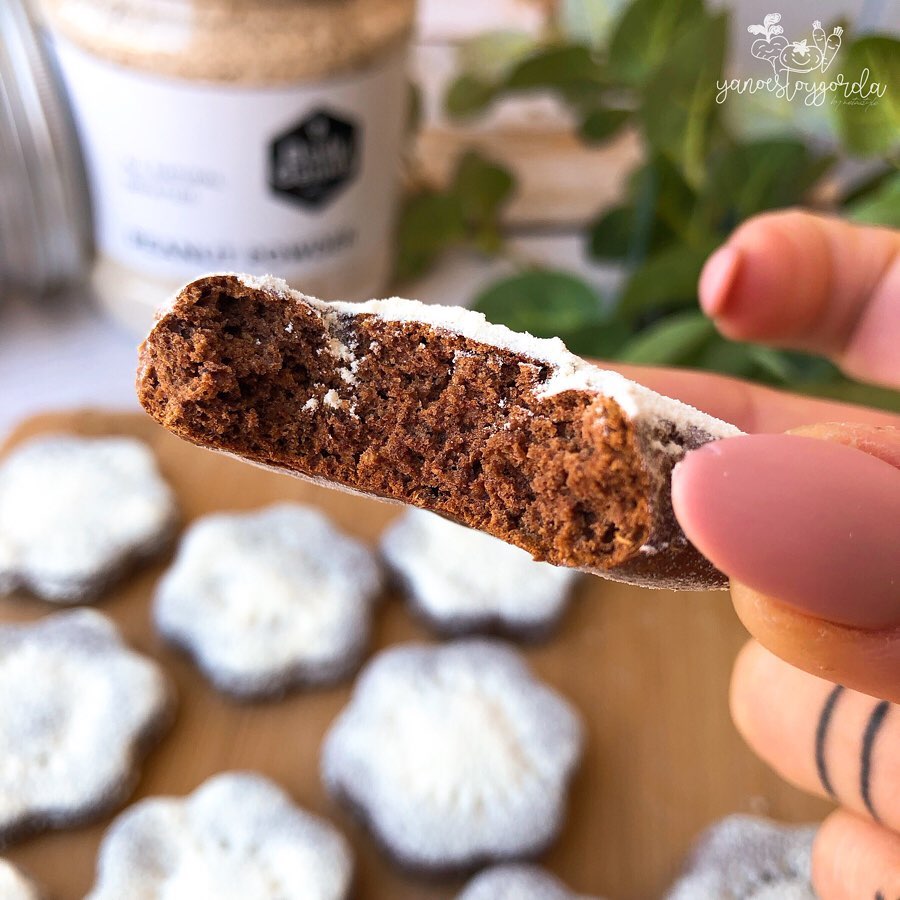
(717, 278)
(811, 523)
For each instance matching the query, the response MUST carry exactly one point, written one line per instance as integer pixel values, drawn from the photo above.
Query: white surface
(269, 597)
(517, 882)
(72, 509)
(237, 837)
(76, 702)
(455, 753)
(14, 885)
(179, 171)
(463, 577)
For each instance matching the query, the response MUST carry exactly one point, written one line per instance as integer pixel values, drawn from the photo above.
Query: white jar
(259, 136)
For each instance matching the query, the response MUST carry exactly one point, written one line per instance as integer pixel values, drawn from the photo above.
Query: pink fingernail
(811, 523)
(717, 279)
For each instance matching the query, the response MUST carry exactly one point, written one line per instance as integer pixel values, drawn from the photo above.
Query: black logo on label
(315, 159)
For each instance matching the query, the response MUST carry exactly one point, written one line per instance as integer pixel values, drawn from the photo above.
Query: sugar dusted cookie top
(270, 599)
(78, 710)
(749, 858)
(237, 836)
(517, 882)
(75, 512)
(14, 885)
(463, 580)
(454, 754)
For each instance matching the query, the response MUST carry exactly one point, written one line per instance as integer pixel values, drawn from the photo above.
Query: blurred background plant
(652, 66)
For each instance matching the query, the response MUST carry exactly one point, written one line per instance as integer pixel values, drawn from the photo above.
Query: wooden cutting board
(648, 670)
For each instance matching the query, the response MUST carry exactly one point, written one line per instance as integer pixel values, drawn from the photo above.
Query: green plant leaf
(728, 358)
(602, 123)
(543, 302)
(881, 206)
(557, 68)
(868, 130)
(854, 392)
(482, 187)
(749, 178)
(671, 341)
(679, 111)
(587, 21)
(666, 280)
(429, 223)
(490, 56)
(468, 96)
(599, 340)
(613, 237)
(643, 37)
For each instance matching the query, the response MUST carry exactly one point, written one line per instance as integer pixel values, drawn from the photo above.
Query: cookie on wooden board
(76, 513)
(463, 581)
(517, 881)
(15, 885)
(454, 755)
(268, 600)
(435, 407)
(750, 858)
(79, 710)
(238, 836)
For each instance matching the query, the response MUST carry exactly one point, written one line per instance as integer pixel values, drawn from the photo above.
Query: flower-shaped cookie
(267, 600)
(78, 710)
(462, 581)
(749, 858)
(454, 754)
(237, 836)
(76, 512)
(14, 885)
(517, 881)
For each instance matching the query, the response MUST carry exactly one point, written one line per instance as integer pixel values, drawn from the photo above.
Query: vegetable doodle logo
(790, 60)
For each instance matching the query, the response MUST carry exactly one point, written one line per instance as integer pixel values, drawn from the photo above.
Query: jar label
(188, 177)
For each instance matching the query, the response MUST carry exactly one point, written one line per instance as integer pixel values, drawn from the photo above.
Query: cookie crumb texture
(436, 408)
(79, 711)
(454, 755)
(237, 836)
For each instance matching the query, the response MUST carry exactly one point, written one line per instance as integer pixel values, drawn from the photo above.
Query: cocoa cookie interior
(433, 407)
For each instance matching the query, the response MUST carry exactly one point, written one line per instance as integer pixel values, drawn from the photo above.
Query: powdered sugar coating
(14, 885)
(269, 599)
(517, 881)
(749, 858)
(237, 836)
(454, 754)
(75, 511)
(465, 580)
(78, 708)
(569, 372)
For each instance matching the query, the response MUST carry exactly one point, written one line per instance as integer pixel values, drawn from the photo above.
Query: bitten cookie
(79, 711)
(14, 885)
(462, 581)
(517, 882)
(435, 407)
(749, 858)
(237, 836)
(268, 600)
(454, 754)
(76, 512)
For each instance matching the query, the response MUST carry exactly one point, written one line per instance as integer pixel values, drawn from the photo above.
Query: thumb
(807, 525)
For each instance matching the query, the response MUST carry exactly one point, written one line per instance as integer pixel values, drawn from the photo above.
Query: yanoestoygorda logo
(311, 161)
(791, 60)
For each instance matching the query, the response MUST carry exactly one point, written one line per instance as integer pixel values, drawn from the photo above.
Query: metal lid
(45, 223)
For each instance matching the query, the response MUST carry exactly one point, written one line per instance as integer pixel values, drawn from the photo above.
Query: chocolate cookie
(268, 600)
(236, 836)
(463, 581)
(79, 711)
(454, 754)
(76, 512)
(435, 407)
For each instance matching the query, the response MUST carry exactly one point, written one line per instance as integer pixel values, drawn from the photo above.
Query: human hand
(807, 526)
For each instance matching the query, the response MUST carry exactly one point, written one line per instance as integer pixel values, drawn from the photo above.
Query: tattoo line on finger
(821, 736)
(873, 726)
